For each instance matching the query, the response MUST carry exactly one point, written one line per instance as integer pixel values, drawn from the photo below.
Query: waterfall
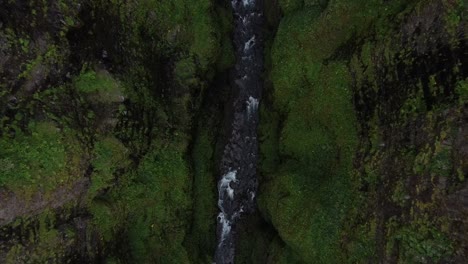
(237, 185)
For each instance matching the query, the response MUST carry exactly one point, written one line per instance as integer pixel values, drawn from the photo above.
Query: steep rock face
(101, 159)
(412, 109)
(361, 140)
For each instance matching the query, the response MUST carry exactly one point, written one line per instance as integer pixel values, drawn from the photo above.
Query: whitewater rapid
(237, 186)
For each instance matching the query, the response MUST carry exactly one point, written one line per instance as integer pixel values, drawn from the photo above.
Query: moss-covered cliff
(364, 133)
(111, 116)
(101, 158)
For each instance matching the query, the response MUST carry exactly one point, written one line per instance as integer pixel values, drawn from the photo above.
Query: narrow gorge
(233, 131)
(238, 186)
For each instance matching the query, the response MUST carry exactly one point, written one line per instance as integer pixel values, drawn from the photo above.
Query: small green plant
(91, 82)
(423, 242)
(24, 44)
(462, 91)
(109, 156)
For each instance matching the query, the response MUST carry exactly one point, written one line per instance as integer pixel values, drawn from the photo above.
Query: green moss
(309, 183)
(421, 240)
(307, 134)
(43, 61)
(361, 244)
(226, 57)
(106, 220)
(159, 207)
(13, 254)
(36, 160)
(163, 54)
(257, 238)
(191, 26)
(202, 239)
(206, 33)
(40, 241)
(268, 138)
(288, 6)
(280, 253)
(441, 162)
(462, 91)
(185, 71)
(454, 15)
(311, 186)
(110, 155)
(91, 82)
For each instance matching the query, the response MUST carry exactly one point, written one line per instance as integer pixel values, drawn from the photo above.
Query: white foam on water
(252, 106)
(249, 44)
(226, 218)
(226, 226)
(225, 185)
(248, 2)
(252, 196)
(224, 188)
(230, 192)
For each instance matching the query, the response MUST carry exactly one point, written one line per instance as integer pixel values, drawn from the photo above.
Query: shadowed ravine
(238, 183)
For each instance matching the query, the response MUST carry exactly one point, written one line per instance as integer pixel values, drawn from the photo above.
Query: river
(237, 186)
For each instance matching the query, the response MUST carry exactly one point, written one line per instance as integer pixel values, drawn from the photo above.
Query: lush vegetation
(110, 119)
(338, 151)
(109, 99)
(37, 160)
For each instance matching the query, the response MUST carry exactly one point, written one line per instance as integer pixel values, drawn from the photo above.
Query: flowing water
(237, 186)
